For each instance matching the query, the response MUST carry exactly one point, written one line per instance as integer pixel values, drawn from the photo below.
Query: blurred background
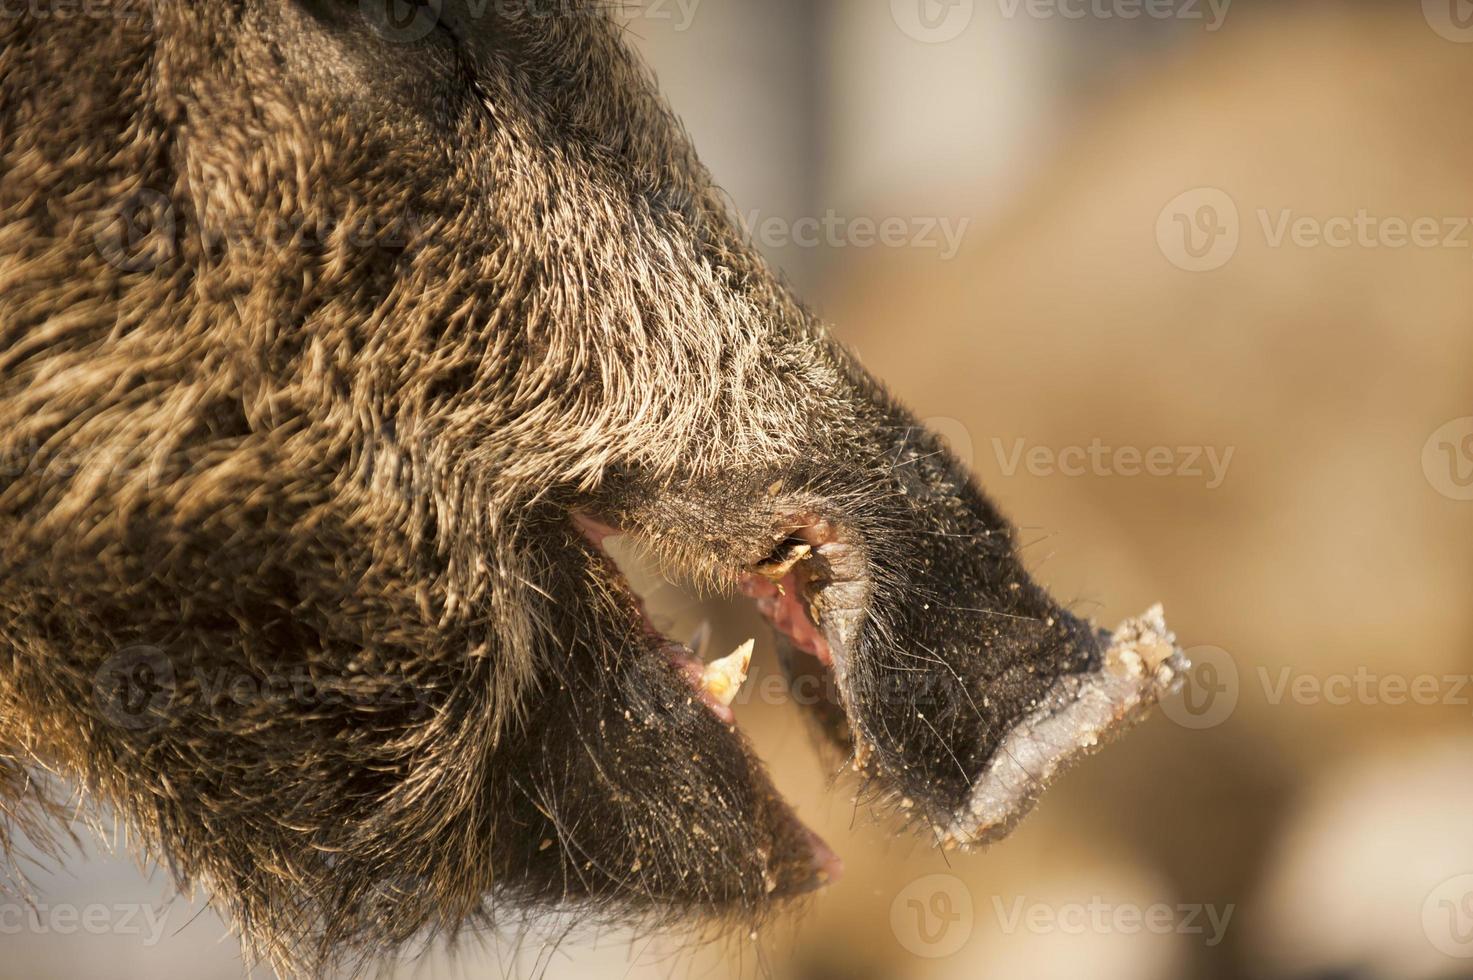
(1188, 282)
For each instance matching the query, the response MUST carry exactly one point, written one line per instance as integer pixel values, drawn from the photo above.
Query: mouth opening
(810, 589)
(813, 588)
(813, 591)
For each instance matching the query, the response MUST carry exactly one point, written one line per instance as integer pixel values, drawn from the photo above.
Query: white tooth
(723, 678)
(700, 641)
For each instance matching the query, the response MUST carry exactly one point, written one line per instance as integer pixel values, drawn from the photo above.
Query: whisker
(993, 612)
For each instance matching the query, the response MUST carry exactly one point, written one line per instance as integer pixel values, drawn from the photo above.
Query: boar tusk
(722, 678)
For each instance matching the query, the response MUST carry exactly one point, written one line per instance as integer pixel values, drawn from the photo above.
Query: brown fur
(311, 340)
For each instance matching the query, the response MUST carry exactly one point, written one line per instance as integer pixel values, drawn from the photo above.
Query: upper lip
(1137, 665)
(815, 590)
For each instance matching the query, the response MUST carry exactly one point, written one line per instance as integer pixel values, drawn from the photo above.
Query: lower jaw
(782, 600)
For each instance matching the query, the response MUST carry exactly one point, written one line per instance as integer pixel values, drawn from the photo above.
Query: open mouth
(814, 592)
(814, 589)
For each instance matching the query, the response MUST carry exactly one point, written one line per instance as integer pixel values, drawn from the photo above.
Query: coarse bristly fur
(318, 331)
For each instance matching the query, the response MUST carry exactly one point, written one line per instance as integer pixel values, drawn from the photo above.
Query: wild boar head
(334, 339)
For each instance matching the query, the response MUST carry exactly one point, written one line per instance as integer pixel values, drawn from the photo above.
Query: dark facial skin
(317, 339)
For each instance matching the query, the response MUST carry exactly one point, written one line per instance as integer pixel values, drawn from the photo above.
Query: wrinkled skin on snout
(324, 342)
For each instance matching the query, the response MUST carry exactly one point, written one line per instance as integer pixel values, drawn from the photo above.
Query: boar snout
(945, 655)
(910, 629)
(969, 686)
